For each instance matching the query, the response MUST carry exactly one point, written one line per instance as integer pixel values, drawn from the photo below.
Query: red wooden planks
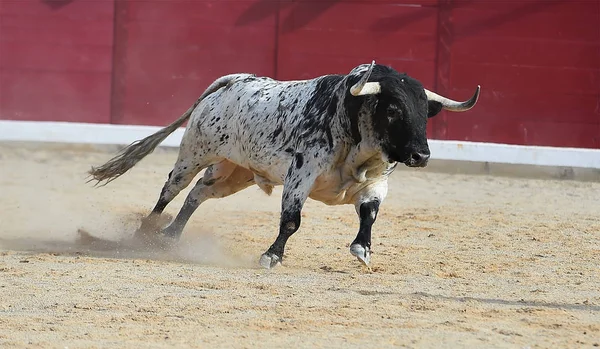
(573, 55)
(538, 61)
(334, 37)
(54, 96)
(528, 20)
(510, 131)
(168, 52)
(539, 66)
(43, 56)
(56, 60)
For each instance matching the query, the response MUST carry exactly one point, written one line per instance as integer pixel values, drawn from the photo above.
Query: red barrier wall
(168, 52)
(145, 62)
(56, 60)
(539, 65)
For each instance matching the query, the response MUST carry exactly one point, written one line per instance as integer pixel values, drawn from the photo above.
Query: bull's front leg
(296, 187)
(367, 207)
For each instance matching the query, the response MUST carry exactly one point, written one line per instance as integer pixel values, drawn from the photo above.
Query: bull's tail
(136, 151)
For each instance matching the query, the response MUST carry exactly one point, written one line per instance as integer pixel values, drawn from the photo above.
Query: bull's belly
(339, 190)
(346, 195)
(333, 197)
(271, 170)
(328, 188)
(331, 188)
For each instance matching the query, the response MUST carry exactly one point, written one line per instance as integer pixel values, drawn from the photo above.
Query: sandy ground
(459, 261)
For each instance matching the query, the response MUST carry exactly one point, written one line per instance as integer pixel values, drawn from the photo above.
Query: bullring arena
(495, 244)
(463, 260)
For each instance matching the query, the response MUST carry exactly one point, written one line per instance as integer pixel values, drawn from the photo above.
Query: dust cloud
(62, 214)
(199, 248)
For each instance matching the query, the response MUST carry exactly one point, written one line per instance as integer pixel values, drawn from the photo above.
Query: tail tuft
(127, 158)
(136, 151)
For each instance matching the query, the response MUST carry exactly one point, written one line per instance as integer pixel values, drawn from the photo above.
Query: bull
(334, 138)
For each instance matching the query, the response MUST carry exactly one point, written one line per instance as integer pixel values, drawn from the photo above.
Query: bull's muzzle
(417, 160)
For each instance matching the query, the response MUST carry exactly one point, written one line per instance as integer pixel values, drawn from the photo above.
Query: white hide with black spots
(261, 125)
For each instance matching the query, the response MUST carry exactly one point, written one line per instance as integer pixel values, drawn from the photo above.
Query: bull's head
(401, 110)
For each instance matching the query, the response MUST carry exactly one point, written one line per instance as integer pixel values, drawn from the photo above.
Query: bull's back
(261, 122)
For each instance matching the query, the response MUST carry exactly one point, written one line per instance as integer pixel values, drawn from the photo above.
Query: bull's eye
(394, 112)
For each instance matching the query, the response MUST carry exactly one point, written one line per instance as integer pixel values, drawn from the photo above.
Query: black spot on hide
(320, 109)
(299, 160)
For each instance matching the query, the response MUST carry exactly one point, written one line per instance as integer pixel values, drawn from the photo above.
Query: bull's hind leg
(186, 168)
(220, 180)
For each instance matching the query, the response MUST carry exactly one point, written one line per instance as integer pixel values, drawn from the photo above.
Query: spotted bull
(334, 138)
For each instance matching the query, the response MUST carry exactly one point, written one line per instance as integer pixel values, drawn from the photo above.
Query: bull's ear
(433, 108)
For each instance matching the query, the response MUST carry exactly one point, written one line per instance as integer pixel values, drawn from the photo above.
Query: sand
(458, 261)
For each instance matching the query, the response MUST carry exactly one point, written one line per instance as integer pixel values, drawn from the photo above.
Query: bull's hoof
(269, 260)
(362, 253)
(152, 226)
(167, 242)
(146, 234)
(171, 232)
(155, 241)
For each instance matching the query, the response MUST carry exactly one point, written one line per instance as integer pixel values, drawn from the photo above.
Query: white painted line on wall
(75, 132)
(514, 154)
(71, 132)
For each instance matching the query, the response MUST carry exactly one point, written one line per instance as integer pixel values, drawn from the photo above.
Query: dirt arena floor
(459, 261)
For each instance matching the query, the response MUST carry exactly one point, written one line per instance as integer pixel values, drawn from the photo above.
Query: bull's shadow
(299, 15)
(56, 4)
(494, 301)
(390, 25)
(477, 27)
(259, 11)
(519, 303)
(302, 14)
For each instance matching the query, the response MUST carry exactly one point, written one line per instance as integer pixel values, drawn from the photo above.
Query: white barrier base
(68, 132)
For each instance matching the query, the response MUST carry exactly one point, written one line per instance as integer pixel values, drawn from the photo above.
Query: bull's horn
(451, 105)
(363, 87)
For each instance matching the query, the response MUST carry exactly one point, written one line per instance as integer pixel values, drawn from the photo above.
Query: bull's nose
(419, 159)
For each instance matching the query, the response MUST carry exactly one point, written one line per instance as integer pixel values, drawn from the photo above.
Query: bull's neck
(353, 120)
(341, 128)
